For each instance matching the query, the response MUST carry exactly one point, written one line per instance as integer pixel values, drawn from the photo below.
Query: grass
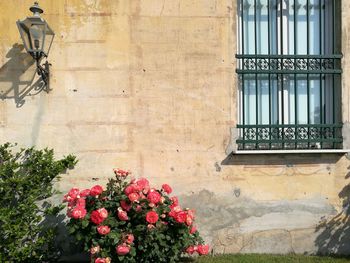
(261, 258)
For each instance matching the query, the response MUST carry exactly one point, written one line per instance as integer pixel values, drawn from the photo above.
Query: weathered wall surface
(150, 86)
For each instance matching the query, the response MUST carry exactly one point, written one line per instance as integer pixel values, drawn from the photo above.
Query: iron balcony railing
(289, 136)
(289, 64)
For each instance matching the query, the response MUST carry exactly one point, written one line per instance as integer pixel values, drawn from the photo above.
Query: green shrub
(26, 182)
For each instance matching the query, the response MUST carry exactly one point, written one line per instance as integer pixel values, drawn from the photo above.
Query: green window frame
(289, 74)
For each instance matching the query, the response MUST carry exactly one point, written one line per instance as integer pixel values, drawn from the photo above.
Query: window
(289, 71)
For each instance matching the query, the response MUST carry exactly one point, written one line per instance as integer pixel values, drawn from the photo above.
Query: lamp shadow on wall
(334, 234)
(17, 76)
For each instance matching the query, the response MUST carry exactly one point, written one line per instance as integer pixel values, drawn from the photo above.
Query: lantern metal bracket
(44, 72)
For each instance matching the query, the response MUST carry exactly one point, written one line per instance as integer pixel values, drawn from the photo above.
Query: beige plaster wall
(149, 85)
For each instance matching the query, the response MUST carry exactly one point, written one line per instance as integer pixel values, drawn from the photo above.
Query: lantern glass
(37, 36)
(49, 35)
(24, 32)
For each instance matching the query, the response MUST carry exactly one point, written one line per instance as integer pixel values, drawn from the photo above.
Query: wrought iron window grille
(289, 71)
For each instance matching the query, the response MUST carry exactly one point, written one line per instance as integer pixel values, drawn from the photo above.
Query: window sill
(337, 151)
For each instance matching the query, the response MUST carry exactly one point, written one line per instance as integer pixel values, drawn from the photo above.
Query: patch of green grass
(262, 258)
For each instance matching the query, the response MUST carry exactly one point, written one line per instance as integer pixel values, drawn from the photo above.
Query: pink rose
(122, 215)
(129, 189)
(152, 217)
(203, 249)
(174, 211)
(190, 213)
(166, 188)
(193, 230)
(81, 202)
(180, 217)
(74, 192)
(143, 183)
(122, 249)
(121, 173)
(174, 200)
(100, 260)
(96, 217)
(133, 197)
(103, 230)
(125, 205)
(71, 195)
(189, 220)
(103, 213)
(191, 249)
(154, 197)
(78, 212)
(108, 260)
(129, 238)
(96, 190)
(67, 198)
(84, 193)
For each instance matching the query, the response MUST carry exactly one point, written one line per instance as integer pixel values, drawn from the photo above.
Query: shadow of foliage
(334, 237)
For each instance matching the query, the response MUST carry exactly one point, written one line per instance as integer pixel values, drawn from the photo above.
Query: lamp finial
(36, 9)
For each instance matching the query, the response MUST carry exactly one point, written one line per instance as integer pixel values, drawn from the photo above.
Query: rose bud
(95, 250)
(129, 238)
(193, 230)
(122, 215)
(150, 226)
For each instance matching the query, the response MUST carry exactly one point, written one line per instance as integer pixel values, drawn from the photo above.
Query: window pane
(301, 27)
(262, 27)
(249, 26)
(250, 99)
(263, 97)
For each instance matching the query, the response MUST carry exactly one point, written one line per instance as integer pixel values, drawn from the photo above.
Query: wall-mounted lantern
(37, 38)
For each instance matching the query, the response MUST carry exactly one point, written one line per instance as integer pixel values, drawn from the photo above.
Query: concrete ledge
(338, 151)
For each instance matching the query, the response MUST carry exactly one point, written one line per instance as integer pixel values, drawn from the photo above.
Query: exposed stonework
(242, 225)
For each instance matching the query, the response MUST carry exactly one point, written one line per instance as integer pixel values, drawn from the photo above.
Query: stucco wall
(150, 86)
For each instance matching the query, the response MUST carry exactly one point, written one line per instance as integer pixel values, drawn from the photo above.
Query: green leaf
(71, 230)
(85, 223)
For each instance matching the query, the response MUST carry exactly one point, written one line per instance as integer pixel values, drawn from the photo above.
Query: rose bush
(130, 221)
